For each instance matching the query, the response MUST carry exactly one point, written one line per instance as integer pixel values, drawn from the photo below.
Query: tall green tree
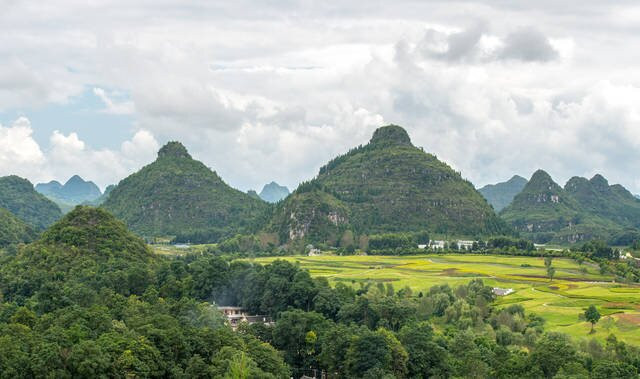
(592, 315)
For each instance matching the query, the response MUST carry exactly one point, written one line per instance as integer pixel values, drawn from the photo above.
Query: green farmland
(559, 302)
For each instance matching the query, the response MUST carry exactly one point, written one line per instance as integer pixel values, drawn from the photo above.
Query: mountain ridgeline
(388, 185)
(18, 197)
(584, 209)
(179, 196)
(75, 191)
(500, 195)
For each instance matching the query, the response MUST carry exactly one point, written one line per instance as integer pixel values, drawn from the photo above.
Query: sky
(271, 90)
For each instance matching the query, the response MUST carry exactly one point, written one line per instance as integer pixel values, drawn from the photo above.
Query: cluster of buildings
(440, 245)
(237, 315)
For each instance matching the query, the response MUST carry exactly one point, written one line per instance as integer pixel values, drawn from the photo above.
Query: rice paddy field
(560, 302)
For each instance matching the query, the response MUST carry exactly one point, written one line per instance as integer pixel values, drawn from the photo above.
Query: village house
(502, 291)
(466, 245)
(236, 315)
(435, 244)
(312, 251)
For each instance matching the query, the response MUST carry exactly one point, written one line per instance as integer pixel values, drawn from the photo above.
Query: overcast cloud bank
(271, 92)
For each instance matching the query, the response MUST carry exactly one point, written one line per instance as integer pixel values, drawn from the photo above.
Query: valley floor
(560, 302)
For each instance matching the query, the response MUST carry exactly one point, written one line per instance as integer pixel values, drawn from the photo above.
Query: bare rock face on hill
(387, 185)
(179, 196)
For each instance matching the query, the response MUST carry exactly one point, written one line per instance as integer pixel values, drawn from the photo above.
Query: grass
(560, 302)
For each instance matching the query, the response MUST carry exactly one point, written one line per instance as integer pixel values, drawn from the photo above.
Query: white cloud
(262, 91)
(68, 155)
(113, 107)
(18, 150)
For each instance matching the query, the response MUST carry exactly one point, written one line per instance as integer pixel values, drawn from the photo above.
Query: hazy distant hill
(500, 195)
(387, 185)
(102, 198)
(273, 192)
(177, 195)
(75, 191)
(584, 209)
(18, 196)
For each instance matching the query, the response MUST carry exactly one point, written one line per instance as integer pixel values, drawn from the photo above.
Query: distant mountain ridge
(500, 195)
(388, 185)
(102, 198)
(18, 196)
(75, 191)
(273, 192)
(177, 195)
(584, 209)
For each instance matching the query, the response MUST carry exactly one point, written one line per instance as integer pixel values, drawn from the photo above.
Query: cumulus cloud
(263, 91)
(454, 46)
(18, 149)
(528, 45)
(68, 155)
(477, 44)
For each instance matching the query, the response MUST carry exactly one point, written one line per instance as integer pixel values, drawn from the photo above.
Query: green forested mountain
(542, 209)
(273, 192)
(13, 230)
(177, 195)
(583, 210)
(18, 197)
(613, 202)
(500, 195)
(387, 185)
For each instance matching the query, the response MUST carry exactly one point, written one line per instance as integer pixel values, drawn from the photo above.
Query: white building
(502, 291)
(236, 315)
(436, 244)
(466, 245)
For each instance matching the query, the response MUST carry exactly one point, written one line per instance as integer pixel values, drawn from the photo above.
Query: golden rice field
(559, 302)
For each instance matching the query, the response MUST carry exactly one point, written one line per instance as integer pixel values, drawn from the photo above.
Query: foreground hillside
(583, 210)
(388, 185)
(89, 300)
(18, 197)
(177, 195)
